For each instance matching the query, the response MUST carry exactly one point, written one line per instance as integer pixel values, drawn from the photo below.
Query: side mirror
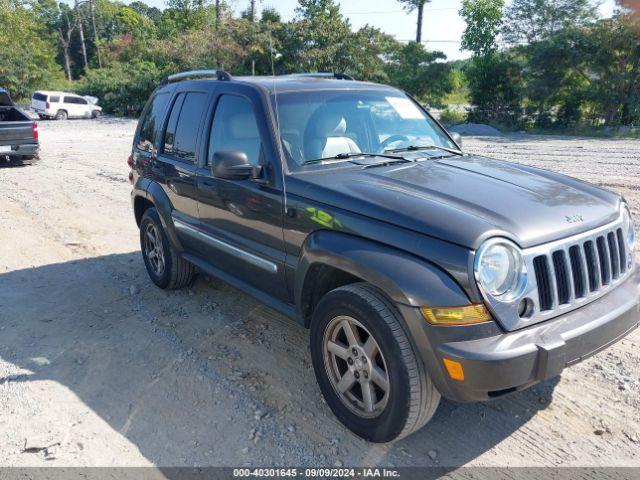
(457, 138)
(232, 165)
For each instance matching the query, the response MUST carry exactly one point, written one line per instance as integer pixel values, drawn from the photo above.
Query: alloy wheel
(356, 367)
(154, 249)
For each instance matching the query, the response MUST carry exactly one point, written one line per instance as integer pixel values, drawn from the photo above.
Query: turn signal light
(454, 369)
(464, 315)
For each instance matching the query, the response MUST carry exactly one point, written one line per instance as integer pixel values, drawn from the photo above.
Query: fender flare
(403, 277)
(154, 193)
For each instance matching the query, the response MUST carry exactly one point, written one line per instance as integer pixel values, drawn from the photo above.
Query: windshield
(325, 124)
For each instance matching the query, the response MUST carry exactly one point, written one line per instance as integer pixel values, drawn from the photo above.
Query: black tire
(62, 115)
(95, 114)
(412, 398)
(177, 272)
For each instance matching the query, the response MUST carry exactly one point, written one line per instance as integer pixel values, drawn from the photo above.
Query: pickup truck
(18, 132)
(421, 270)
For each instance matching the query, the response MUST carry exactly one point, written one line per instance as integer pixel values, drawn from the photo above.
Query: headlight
(499, 268)
(628, 228)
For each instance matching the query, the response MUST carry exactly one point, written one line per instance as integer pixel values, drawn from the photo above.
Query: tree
(65, 31)
(318, 39)
(412, 5)
(420, 72)
(529, 21)
(494, 78)
(484, 20)
(28, 48)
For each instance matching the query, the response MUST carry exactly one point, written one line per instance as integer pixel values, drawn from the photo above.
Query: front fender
(405, 278)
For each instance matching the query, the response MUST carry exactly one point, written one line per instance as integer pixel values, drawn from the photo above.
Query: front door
(242, 219)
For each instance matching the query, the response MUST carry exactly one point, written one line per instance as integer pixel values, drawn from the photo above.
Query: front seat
(325, 137)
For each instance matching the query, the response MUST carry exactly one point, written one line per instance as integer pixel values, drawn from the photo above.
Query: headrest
(243, 125)
(330, 124)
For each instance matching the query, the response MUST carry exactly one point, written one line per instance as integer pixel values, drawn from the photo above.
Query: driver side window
(235, 128)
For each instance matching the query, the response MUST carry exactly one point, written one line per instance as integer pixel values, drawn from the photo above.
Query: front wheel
(164, 265)
(95, 113)
(366, 366)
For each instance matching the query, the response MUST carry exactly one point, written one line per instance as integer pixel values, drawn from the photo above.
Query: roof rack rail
(219, 74)
(336, 75)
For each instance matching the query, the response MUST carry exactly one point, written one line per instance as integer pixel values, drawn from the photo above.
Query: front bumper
(500, 364)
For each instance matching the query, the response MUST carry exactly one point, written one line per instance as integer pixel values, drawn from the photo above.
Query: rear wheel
(62, 115)
(366, 366)
(95, 114)
(165, 267)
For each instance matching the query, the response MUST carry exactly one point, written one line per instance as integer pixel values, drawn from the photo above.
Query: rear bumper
(508, 362)
(26, 150)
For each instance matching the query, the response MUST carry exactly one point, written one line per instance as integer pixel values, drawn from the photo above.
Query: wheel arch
(401, 276)
(152, 195)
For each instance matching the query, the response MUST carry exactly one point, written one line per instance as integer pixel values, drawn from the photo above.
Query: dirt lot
(99, 367)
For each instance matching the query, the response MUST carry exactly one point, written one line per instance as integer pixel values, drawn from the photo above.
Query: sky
(442, 28)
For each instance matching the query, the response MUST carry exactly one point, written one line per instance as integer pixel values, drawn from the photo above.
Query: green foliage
(484, 19)
(418, 71)
(495, 86)
(123, 89)
(27, 51)
(450, 117)
(535, 20)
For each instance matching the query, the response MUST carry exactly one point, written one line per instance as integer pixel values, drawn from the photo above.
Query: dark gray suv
(420, 270)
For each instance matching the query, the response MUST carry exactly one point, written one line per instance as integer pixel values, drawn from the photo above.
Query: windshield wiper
(342, 157)
(415, 148)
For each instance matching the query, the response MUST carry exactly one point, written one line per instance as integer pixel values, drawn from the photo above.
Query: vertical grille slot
(578, 274)
(603, 256)
(622, 250)
(541, 267)
(562, 277)
(613, 256)
(592, 266)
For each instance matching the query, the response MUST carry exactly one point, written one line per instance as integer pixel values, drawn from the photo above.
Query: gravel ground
(98, 367)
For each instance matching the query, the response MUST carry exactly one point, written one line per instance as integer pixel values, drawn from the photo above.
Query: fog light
(454, 369)
(465, 315)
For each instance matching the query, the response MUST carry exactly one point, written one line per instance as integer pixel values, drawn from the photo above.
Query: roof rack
(336, 75)
(219, 74)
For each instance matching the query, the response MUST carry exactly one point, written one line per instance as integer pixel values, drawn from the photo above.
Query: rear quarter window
(151, 121)
(54, 99)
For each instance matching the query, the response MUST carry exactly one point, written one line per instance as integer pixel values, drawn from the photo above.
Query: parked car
(18, 132)
(63, 105)
(420, 270)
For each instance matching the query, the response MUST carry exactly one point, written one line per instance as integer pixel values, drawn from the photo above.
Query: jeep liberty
(420, 270)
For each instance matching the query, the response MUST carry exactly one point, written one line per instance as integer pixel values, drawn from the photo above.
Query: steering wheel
(392, 139)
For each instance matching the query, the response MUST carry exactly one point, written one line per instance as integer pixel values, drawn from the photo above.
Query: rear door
(178, 154)
(69, 104)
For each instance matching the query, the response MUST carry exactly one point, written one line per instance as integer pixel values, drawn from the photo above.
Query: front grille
(579, 270)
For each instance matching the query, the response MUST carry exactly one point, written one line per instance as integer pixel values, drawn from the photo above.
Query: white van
(63, 105)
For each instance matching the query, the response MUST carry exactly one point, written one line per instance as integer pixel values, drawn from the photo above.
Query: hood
(466, 200)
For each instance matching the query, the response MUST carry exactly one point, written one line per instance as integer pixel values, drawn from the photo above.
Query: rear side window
(182, 129)
(75, 100)
(54, 99)
(151, 122)
(40, 96)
